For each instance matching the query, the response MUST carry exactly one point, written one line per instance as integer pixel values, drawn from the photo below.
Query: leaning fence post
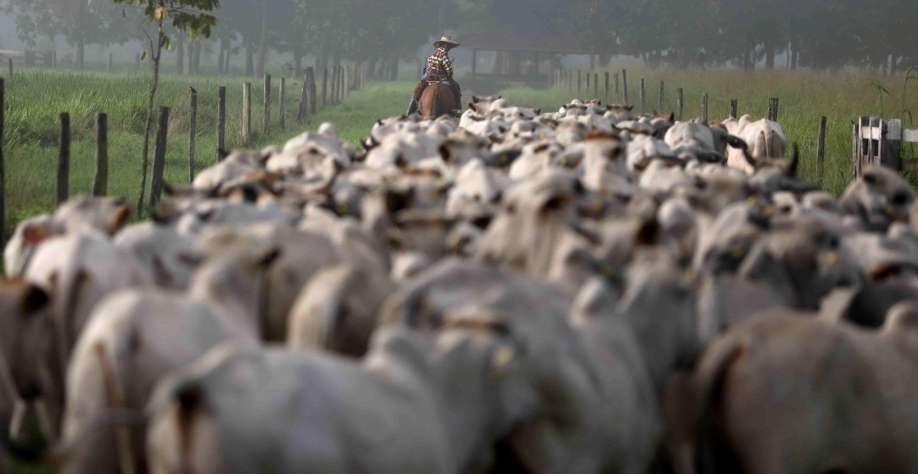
(247, 112)
(159, 157)
(100, 179)
(304, 98)
(680, 101)
(313, 97)
(63, 162)
(606, 96)
(643, 102)
(267, 119)
(733, 108)
(624, 87)
(281, 115)
(660, 101)
(2, 170)
(821, 151)
(704, 107)
(221, 122)
(324, 87)
(191, 135)
(579, 79)
(617, 90)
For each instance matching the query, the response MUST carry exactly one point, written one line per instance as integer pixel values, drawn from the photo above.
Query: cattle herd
(583, 291)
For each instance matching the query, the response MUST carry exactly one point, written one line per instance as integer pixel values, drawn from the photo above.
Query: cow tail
(713, 454)
(189, 398)
(115, 401)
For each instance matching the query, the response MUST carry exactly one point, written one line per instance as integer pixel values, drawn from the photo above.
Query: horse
(436, 100)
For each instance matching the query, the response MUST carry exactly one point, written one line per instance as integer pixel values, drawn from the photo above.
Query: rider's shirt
(439, 65)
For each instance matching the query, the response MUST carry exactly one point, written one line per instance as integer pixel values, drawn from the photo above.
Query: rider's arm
(447, 65)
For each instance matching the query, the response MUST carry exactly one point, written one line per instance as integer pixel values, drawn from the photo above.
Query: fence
(878, 142)
(345, 81)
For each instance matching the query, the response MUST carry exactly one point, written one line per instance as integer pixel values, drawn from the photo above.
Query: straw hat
(445, 40)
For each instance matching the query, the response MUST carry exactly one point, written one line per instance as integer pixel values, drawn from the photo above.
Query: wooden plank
(891, 145)
(910, 135)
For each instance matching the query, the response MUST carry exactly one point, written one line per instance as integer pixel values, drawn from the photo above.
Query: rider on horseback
(439, 69)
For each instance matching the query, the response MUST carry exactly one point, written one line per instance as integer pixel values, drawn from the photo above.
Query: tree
(191, 16)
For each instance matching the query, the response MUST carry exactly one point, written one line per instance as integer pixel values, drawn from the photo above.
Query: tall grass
(804, 97)
(36, 98)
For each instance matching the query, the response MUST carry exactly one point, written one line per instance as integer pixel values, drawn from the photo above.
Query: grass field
(35, 98)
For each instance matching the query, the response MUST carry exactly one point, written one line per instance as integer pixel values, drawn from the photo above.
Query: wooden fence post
(313, 97)
(570, 81)
(588, 82)
(704, 107)
(100, 179)
(2, 169)
(304, 98)
(267, 119)
(624, 87)
(247, 112)
(282, 103)
(221, 122)
(63, 162)
(617, 90)
(734, 105)
(191, 136)
(346, 82)
(643, 102)
(11, 67)
(607, 86)
(680, 102)
(579, 81)
(324, 87)
(660, 101)
(159, 157)
(773, 109)
(333, 86)
(821, 151)
(110, 60)
(595, 85)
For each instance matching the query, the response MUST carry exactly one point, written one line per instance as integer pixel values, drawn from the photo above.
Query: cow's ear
(472, 107)
(475, 98)
(34, 234)
(499, 97)
(538, 111)
(672, 117)
(33, 300)
(736, 142)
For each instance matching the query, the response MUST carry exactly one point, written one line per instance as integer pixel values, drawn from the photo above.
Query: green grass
(804, 97)
(34, 100)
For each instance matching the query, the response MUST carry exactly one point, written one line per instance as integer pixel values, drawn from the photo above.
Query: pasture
(35, 98)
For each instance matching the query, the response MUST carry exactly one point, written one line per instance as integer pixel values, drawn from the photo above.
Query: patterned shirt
(439, 64)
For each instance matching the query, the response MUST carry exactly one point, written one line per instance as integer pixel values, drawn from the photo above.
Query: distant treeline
(819, 34)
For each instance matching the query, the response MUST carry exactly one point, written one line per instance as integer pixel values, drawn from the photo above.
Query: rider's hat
(445, 41)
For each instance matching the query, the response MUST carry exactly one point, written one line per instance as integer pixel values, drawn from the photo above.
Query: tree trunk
(196, 65)
(180, 57)
(80, 54)
(220, 59)
(226, 57)
(297, 61)
(155, 57)
(249, 58)
(769, 56)
(263, 41)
